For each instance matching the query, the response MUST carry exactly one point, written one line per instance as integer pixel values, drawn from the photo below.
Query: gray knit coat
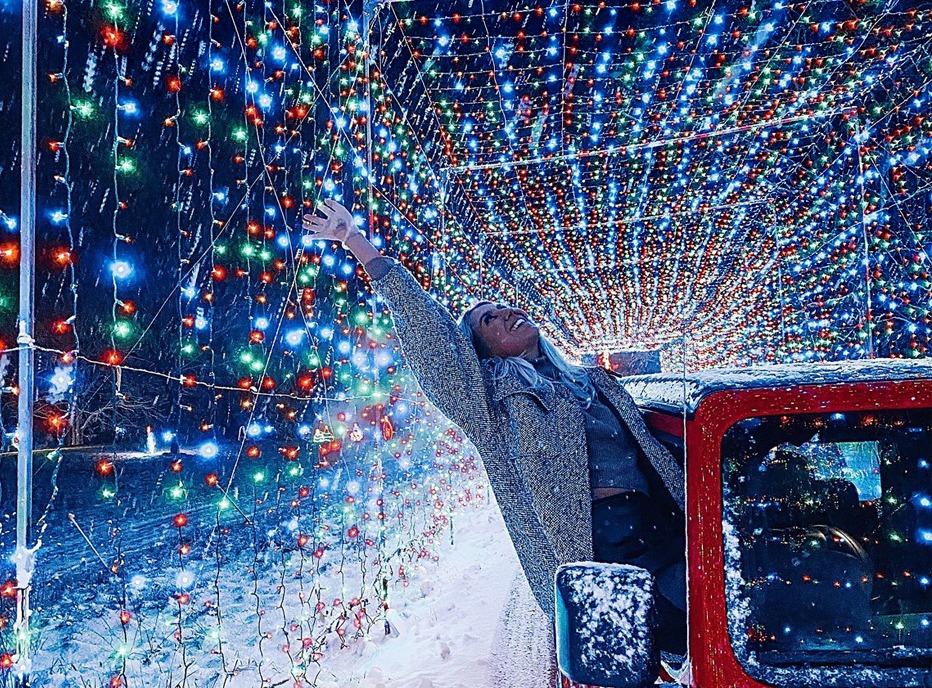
(532, 443)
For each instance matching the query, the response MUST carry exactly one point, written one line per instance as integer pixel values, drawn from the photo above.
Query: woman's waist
(605, 492)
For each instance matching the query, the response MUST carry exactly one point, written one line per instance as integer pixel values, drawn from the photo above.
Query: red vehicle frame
(712, 661)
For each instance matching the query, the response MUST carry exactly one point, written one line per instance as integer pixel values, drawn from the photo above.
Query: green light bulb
(122, 329)
(84, 109)
(113, 11)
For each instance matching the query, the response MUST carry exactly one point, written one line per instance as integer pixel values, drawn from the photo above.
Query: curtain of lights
(236, 469)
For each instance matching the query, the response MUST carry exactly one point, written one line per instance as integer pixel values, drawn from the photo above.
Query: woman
(575, 472)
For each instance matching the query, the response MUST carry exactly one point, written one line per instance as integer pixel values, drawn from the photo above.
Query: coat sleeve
(450, 375)
(440, 356)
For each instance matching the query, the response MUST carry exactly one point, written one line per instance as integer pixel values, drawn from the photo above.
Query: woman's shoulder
(599, 370)
(606, 375)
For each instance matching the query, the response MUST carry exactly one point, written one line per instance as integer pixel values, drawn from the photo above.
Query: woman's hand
(336, 224)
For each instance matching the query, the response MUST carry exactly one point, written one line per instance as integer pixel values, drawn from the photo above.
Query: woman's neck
(533, 352)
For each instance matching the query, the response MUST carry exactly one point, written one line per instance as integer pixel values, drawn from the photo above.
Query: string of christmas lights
(741, 184)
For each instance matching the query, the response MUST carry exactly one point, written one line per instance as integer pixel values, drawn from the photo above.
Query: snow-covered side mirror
(605, 623)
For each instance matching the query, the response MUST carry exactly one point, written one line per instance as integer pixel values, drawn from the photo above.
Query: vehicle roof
(671, 391)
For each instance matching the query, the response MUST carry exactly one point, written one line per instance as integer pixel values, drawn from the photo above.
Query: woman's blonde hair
(576, 378)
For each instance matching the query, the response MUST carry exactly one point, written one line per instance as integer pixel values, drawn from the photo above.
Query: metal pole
(24, 555)
(368, 11)
(444, 241)
(780, 291)
(370, 7)
(868, 316)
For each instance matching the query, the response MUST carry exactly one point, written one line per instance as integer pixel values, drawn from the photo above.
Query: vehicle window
(828, 538)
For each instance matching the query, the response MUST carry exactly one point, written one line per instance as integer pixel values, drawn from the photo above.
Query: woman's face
(505, 331)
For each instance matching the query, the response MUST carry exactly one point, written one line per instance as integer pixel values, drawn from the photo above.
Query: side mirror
(605, 623)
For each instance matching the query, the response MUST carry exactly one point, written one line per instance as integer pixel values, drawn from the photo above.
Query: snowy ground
(265, 612)
(446, 621)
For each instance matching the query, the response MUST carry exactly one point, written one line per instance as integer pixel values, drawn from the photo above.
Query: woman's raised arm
(441, 358)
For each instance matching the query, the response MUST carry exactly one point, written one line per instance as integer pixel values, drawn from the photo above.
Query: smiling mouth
(521, 321)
